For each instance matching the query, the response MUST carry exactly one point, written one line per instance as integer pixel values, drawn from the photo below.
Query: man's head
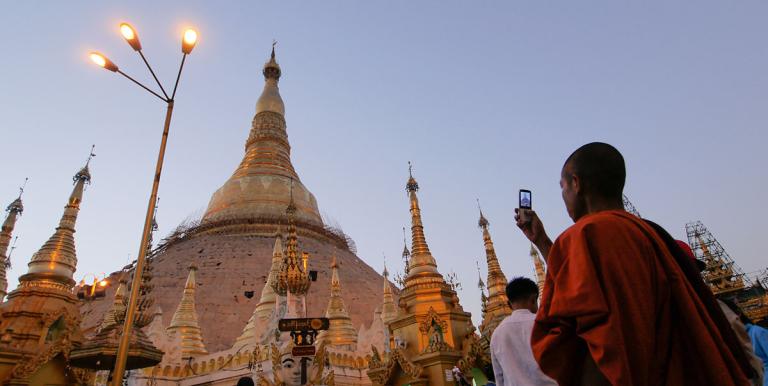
(593, 174)
(522, 293)
(245, 381)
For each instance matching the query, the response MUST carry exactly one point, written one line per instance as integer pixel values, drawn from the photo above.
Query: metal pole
(125, 338)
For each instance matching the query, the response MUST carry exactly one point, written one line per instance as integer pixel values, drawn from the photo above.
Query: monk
(621, 304)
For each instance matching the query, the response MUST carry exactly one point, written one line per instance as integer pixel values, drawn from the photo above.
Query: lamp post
(188, 41)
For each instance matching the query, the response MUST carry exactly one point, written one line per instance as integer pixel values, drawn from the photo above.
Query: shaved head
(601, 169)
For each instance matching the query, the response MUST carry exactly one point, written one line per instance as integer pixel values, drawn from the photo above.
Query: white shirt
(511, 352)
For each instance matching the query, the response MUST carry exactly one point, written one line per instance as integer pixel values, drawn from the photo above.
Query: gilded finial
(90, 155)
(83, 174)
(386, 272)
(482, 222)
(17, 206)
(24, 185)
(412, 185)
(480, 282)
(271, 68)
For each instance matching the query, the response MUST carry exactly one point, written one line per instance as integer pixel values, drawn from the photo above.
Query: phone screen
(526, 201)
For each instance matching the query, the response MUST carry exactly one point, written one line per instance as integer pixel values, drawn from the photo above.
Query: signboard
(303, 324)
(303, 351)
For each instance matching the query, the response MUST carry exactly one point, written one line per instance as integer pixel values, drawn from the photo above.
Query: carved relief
(383, 374)
(434, 329)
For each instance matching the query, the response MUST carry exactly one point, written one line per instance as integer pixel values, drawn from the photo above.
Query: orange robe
(614, 291)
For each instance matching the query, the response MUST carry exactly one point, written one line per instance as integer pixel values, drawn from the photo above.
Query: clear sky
(484, 98)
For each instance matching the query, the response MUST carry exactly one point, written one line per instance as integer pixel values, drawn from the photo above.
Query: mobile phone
(526, 201)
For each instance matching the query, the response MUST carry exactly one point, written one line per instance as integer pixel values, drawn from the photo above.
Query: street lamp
(188, 41)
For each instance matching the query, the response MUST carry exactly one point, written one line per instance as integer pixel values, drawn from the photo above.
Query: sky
(484, 98)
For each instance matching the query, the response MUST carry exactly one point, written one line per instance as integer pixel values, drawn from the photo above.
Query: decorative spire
(385, 272)
(14, 211)
(57, 260)
(268, 296)
(184, 320)
(480, 282)
(497, 282)
(483, 222)
(494, 306)
(421, 261)
(341, 331)
(270, 99)
(388, 308)
(271, 68)
(482, 287)
(292, 277)
(406, 254)
(144, 307)
(538, 264)
(116, 314)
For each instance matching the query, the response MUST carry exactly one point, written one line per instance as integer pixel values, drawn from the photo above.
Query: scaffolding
(629, 207)
(721, 272)
(724, 277)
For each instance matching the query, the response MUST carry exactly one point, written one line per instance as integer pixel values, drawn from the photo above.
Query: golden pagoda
(340, 333)
(496, 307)
(14, 211)
(432, 333)
(539, 268)
(259, 186)
(236, 236)
(388, 307)
(116, 314)
(184, 323)
(40, 322)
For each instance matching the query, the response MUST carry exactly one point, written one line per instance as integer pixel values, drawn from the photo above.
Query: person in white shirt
(511, 353)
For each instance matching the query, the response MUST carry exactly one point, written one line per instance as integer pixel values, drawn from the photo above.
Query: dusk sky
(483, 97)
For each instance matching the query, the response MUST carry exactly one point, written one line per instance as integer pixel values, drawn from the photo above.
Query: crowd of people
(623, 302)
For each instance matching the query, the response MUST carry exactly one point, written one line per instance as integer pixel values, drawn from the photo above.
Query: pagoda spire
(341, 331)
(481, 285)
(496, 304)
(14, 211)
(388, 308)
(293, 277)
(116, 313)
(268, 296)
(422, 262)
(258, 189)
(538, 264)
(497, 282)
(184, 321)
(431, 328)
(56, 260)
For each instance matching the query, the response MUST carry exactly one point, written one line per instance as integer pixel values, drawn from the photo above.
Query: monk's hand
(532, 227)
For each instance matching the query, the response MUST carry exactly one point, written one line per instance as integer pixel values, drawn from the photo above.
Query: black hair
(521, 288)
(245, 381)
(601, 168)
